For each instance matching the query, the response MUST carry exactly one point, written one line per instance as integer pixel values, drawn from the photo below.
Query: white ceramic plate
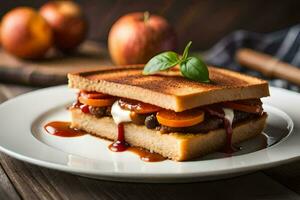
(22, 136)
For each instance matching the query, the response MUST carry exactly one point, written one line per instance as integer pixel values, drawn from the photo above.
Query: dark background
(204, 22)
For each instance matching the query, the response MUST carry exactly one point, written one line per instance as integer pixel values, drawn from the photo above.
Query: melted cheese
(229, 114)
(120, 115)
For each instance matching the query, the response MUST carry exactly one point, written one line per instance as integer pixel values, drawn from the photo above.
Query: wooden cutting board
(53, 69)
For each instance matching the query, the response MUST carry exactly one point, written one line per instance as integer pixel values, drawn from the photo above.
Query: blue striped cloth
(284, 45)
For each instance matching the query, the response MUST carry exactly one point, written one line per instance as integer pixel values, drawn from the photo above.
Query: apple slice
(96, 102)
(180, 119)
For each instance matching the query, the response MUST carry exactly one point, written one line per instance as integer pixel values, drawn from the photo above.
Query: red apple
(136, 37)
(25, 33)
(0, 33)
(67, 21)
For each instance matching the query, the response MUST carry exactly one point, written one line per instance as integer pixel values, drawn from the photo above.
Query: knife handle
(268, 65)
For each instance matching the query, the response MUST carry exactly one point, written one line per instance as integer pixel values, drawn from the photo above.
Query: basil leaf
(161, 62)
(195, 69)
(191, 67)
(186, 51)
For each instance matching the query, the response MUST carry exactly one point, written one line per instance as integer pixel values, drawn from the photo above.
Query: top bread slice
(170, 90)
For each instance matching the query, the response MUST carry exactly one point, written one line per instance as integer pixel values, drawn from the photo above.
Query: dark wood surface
(51, 70)
(20, 180)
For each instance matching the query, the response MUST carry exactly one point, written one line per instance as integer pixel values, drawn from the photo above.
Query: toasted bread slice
(176, 146)
(171, 92)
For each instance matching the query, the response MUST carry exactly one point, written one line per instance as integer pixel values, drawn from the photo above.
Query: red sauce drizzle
(62, 129)
(228, 149)
(147, 156)
(85, 108)
(228, 128)
(119, 145)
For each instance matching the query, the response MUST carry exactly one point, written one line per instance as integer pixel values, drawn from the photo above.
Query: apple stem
(146, 16)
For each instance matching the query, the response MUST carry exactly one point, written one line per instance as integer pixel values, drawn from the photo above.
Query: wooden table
(20, 180)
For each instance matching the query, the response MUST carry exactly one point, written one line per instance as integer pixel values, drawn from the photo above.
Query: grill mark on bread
(220, 79)
(166, 84)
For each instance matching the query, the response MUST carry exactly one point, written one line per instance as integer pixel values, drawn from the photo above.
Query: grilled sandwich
(167, 113)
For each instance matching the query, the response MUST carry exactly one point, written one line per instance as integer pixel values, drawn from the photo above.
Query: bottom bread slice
(176, 146)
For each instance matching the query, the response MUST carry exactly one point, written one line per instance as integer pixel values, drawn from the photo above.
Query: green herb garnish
(190, 67)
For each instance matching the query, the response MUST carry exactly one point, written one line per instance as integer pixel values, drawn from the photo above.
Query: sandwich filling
(197, 120)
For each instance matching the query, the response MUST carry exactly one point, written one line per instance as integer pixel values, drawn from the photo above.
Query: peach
(67, 21)
(25, 33)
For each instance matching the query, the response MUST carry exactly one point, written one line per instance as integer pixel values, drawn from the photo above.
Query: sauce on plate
(62, 129)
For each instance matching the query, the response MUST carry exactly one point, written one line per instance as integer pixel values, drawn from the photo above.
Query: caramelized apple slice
(180, 119)
(250, 106)
(96, 102)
